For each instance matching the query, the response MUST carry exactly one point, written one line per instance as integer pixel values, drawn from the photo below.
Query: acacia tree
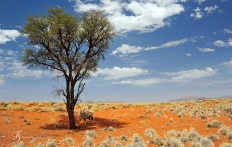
(69, 45)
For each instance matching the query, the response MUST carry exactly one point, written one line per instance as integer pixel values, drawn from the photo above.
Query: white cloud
(206, 50)
(198, 14)
(211, 9)
(188, 54)
(229, 63)
(8, 35)
(118, 73)
(1, 51)
(17, 70)
(169, 44)
(140, 82)
(143, 16)
(126, 49)
(189, 75)
(200, 1)
(227, 31)
(221, 43)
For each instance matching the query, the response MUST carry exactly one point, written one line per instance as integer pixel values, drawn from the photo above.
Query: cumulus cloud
(189, 75)
(198, 14)
(200, 1)
(118, 73)
(8, 35)
(17, 70)
(188, 54)
(142, 15)
(126, 49)
(175, 77)
(221, 43)
(211, 9)
(229, 63)
(206, 50)
(227, 31)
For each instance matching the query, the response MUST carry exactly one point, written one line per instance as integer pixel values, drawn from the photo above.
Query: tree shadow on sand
(97, 123)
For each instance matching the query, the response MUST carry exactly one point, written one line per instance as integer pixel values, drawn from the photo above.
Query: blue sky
(166, 49)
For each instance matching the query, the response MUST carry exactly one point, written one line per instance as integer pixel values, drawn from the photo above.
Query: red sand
(125, 121)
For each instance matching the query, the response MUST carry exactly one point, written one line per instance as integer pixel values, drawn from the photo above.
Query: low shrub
(224, 130)
(214, 124)
(51, 143)
(193, 136)
(213, 137)
(91, 133)
(173, 142)
(150, 133)
(88, 142)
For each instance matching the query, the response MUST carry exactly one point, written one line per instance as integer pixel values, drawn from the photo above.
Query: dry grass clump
(109, 129)
(226, 145)
(150, 133)
(51, 143)
(159, 141)
(90, 133)
(149, 111)
(59, 108)
(88, 142)
(109, 141)
(7, 120)
(137, 141)
(40, 145)
(19, 144)
(68, 139)
(173, 142)
(223, 130)
(213, 137)
(193, 135)
(229, 135)
(205, 142)
(214, 124)
(171, 133)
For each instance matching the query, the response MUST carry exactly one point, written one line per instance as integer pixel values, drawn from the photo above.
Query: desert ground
(201, 123)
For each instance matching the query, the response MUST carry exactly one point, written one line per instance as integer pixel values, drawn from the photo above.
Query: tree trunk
(72, 123)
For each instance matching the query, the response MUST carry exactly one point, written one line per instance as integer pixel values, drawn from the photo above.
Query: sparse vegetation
(173, 137)
(91, 133)
(214, 124)
(88, 142)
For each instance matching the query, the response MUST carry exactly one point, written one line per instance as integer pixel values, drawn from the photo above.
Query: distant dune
(195, 98)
